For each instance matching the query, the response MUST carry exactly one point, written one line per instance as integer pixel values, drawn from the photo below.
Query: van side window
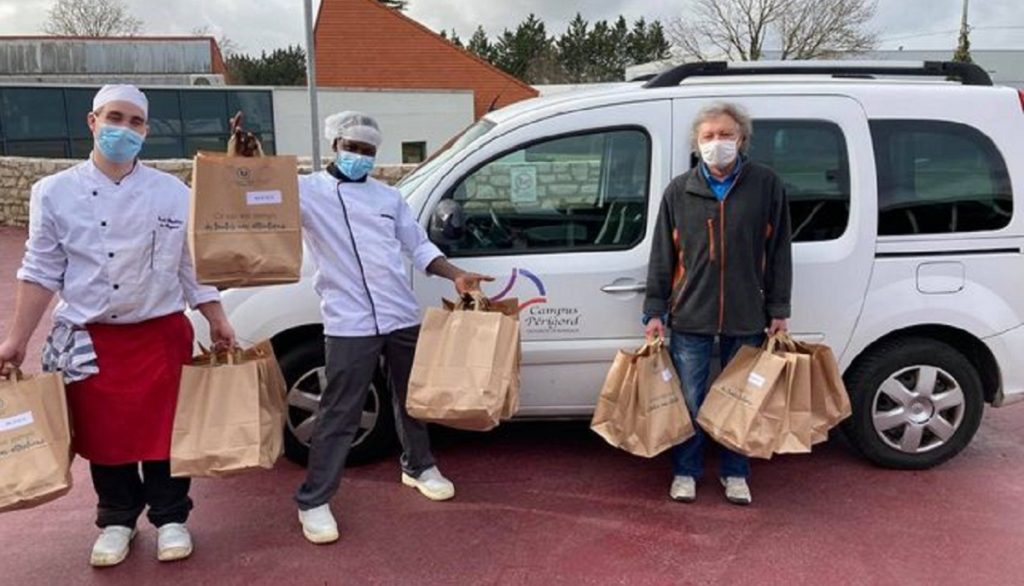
(811, 158)
(575, 193)
(938, 177)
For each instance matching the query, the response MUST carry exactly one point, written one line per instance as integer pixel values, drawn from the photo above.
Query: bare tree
(227, 45)
(821, 29)
(800, 29)
(91, 18)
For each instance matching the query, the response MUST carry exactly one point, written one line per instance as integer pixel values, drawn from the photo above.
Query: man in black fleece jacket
(720, 267)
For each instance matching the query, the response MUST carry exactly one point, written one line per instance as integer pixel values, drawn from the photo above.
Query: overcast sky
(267, 24)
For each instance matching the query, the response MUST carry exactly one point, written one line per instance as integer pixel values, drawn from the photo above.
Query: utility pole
(963, 48)
(314, 114)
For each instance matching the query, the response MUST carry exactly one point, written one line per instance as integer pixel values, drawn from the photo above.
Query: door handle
(634, 288)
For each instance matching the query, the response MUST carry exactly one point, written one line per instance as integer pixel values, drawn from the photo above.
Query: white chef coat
(114, 252)
(357, 233)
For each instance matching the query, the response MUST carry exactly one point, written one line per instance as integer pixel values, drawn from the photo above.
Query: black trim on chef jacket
(342, 178)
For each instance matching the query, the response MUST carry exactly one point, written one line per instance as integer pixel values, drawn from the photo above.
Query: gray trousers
(351, 363)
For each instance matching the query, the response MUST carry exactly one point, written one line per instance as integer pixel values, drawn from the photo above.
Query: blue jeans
(691, 355)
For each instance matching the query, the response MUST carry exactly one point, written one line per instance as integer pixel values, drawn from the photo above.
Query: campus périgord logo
(540, 297)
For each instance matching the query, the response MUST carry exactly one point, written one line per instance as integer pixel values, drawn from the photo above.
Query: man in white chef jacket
(359, 231)
(108, 237)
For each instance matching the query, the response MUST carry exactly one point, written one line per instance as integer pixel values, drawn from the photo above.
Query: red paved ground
(550, 503)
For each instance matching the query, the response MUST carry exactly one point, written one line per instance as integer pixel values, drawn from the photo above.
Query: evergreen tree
(574, 51)
(280, 67)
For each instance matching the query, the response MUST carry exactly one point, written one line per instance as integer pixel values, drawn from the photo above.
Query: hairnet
(351, 125)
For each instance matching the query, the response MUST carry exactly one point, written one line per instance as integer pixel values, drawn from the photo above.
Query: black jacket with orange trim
(722, 267)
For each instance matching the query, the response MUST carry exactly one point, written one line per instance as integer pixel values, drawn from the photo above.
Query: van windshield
(457, 144)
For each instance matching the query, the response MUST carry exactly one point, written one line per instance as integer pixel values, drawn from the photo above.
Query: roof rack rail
(967, 73)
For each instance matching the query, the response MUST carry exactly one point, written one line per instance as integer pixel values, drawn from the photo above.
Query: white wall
(433, 116)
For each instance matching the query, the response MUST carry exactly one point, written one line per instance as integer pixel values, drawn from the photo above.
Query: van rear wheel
(916, 403)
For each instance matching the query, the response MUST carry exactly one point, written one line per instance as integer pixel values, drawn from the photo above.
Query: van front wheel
(303, 369)
(916, 403)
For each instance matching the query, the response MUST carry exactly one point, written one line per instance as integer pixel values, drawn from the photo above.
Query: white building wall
(433, 116)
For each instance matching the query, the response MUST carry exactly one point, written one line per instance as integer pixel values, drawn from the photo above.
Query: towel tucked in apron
(124, 413)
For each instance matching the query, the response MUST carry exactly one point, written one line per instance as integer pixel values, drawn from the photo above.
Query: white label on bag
(19, 420)
(666, 374)
(262, 198)
(756, 380)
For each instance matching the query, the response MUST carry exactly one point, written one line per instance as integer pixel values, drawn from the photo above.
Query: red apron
(125, 413)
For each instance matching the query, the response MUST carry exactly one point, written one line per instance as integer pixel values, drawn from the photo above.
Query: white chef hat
(351, 125)
(120, 93)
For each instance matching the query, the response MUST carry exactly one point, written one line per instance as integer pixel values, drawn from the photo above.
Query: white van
(907, 239)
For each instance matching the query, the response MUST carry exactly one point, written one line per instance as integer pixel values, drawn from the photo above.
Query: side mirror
(448, 223)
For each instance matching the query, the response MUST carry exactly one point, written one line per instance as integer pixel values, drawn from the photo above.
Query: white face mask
(719, 153)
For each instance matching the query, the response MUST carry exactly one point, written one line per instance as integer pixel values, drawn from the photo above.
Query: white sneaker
(737, 491)
(112, 546)
(684, 489)
(431, 484)
(318, 525)
(173, 542)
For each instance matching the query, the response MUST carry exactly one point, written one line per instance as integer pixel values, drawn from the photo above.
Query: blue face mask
(119, 144)
(354, 166)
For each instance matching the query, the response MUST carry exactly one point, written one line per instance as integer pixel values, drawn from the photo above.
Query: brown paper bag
(653, 415)
(465, 373)
(796, 436)
(244, 225)
(230, 416)
(511, 406)
(273, 390)
(747, 402)
(609, 418)
(830, 403)
(35, 440)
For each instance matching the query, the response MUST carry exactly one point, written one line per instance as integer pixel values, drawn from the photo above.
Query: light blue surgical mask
(119, 144)
(353, 165)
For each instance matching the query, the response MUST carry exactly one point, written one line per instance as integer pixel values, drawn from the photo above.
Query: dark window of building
(414, 153)
(205, 112)
(194, 144)
(164, 112)
(257, 108)
(51, 122)
(938, 177)
(34, 113)
(49, 149)
(162, 147)
(77, 105)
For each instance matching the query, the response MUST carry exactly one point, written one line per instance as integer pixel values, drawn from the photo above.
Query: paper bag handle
(232, 355)
(780, 341)
(13, 374)
(475, 300)
(652, 346)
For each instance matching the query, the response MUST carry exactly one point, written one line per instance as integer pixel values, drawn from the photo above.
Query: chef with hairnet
(358, 231)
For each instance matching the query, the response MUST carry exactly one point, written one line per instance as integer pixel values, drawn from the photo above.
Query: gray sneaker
(736, 490)
(684, 489)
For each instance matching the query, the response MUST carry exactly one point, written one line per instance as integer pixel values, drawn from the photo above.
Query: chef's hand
(11, 355)
(466, 282)
(246, 143)
(222, 334)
